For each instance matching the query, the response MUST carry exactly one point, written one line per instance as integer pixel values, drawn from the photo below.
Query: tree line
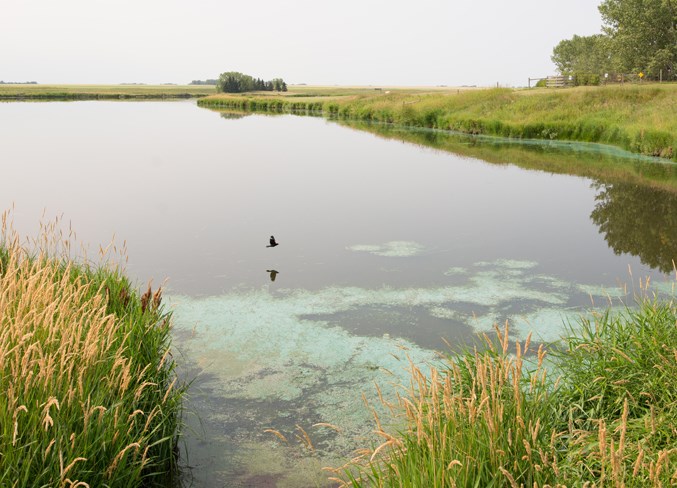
(638, 36)
(204, 82)
(234, 82)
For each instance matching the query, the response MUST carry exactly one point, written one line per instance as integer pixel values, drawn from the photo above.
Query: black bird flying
(272, 242)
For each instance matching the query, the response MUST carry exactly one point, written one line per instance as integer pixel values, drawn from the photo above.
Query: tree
(583, 54)
(279, 84)
(235, 82)
(643, 34)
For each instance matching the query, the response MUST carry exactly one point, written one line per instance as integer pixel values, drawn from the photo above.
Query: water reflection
(636, 209)
(638, 220)
(230, 115)
(598, 161)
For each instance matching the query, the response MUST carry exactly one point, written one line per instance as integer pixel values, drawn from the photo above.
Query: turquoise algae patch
(393, 249)
(253, 349)
(261, 350)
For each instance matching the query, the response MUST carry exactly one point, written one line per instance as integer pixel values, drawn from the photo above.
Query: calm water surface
(384, 246)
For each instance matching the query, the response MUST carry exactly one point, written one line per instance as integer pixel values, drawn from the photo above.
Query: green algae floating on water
(278, 359)
(392, 249)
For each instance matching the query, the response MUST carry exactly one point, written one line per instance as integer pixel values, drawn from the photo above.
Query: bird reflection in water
(273, 274)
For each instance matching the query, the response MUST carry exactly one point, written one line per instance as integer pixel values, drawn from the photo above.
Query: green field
(94, 92)
(639, 118)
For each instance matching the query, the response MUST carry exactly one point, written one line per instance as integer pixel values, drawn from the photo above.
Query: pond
(389, 246)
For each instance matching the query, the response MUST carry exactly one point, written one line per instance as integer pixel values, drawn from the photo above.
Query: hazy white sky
(352, 42)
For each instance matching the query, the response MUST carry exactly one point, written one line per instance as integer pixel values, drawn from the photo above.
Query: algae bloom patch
(392, 249)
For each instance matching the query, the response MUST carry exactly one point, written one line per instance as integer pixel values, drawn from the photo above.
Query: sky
(351, 42)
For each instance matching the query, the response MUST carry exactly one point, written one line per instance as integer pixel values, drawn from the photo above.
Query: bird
(272, 242)
(273, 274)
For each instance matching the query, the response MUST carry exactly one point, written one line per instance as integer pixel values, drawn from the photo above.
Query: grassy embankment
(641, 119)
(590, 161)
(601, 412)
(102, 92)
(88, 385)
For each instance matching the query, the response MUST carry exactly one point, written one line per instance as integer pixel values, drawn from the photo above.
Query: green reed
(600, 412)
(90, 397)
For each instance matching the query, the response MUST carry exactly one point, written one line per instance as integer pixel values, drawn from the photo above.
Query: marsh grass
(602, 411)
(89, 392)
(641, 119)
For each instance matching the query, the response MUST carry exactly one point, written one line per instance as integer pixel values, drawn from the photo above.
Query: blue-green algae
(275, 359)
(390, 249)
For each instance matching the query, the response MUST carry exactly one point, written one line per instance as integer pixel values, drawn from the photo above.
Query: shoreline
(634, 118)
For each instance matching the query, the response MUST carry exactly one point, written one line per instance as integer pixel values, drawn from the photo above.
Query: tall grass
(641, 119)
(87, 380)
(601, 412)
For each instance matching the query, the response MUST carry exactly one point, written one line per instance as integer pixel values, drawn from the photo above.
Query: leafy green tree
(643, 34)
(235, 82)
(278, 84)
(583, 54)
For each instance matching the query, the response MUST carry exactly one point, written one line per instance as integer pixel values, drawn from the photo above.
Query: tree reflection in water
(636, 207)
(639, 220)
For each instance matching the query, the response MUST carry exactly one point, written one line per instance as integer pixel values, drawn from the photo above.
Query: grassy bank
(604, 163)
(102, 92)
(602, 411)
(641, 119)
(89, 392)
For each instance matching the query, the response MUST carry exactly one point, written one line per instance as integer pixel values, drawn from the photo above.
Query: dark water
(387, 241)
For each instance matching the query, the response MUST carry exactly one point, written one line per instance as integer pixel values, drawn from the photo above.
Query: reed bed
(90, 398)
(600, 411)
(640, 119)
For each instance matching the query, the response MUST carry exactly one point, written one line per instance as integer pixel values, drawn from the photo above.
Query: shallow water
(386, 248)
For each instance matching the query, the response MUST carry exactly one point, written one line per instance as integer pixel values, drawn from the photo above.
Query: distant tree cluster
(204, 82)
(18, 82)
(234, 82)
(638, 36)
